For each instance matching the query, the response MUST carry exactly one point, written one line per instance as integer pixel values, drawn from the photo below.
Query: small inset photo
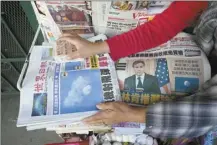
(39, 104)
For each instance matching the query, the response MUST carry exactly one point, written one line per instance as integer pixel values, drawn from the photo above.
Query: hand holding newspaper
(71, 46)
(56, 17)
(57, 93)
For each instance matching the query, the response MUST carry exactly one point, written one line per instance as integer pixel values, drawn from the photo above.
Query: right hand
(83, 47)
(116, 112)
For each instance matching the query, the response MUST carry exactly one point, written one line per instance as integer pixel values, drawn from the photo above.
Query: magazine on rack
(176, 68)
(54, 92)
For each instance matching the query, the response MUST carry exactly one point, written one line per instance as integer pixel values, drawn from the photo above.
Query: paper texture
(57, 17)
(115, 17)
(55, 91)
(177, 67)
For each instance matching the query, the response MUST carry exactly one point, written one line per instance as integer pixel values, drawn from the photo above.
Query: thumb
(71, 39)
(74, 56)
(69, 34)
(106, 106)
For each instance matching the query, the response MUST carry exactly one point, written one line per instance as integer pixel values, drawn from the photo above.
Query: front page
(115, 17)
(177, 67)
(68, 89)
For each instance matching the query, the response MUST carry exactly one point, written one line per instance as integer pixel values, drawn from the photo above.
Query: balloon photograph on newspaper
(70, 89)
(80, 91)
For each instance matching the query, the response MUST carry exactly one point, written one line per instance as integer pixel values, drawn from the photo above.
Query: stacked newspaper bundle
(104, 17)
(176, 68)
(60, 94)
(57, 95)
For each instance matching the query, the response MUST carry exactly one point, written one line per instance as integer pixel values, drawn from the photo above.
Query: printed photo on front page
(186, 74)
(64, 14)
(145, 75)
(143, 81)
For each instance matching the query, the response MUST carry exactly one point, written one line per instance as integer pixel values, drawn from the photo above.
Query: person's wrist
(138, 114)
(100, 47)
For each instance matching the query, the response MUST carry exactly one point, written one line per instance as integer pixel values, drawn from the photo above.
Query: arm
(158, 31)
(161, 29)
(189, 117)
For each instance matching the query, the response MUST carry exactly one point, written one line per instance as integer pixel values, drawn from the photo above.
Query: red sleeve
(158, 31)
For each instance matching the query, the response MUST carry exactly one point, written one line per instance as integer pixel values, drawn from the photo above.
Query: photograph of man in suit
(141, 80)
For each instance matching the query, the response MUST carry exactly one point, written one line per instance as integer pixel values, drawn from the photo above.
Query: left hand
(116, 112)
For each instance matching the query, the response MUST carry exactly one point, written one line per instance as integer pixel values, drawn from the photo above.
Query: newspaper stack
(104, 17)
(58, 94)
(176, 68)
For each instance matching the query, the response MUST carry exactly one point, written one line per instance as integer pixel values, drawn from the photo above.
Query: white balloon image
(87, 90)
(187, 83)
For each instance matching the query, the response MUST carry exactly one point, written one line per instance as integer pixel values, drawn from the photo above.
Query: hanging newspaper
(116, 17)
(58, 17)
(54, 92)
(177, 67)
(49, 29)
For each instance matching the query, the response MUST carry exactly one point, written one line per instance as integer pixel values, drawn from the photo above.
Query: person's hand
(82, 48)
(116, 112)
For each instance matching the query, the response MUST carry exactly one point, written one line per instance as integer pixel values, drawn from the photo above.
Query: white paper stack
(55, 93)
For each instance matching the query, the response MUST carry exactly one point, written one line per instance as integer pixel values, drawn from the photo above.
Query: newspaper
(126, 128)
(53, 92)
(50, 30)
(120, 128)
(56, 17)
(67, 13)
(115, 17)
(175, 68)
(78, 128)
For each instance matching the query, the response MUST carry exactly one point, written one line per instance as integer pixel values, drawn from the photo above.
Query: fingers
(98, 116)
(106, 106)
(69, 34)
(75, 56)
(101, 122)
(94, 117)
(70, 39)
(103, 117)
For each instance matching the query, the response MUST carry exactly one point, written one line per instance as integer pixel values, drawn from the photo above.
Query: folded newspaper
(176, 68)
(56, 93)
(115, 17)
(56, 17)
(100, 17)
(60, 94)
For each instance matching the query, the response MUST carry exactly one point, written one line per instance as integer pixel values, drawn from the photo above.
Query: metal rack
(18, 33)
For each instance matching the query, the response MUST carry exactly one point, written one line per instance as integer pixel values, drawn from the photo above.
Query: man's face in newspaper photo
(139, 67)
